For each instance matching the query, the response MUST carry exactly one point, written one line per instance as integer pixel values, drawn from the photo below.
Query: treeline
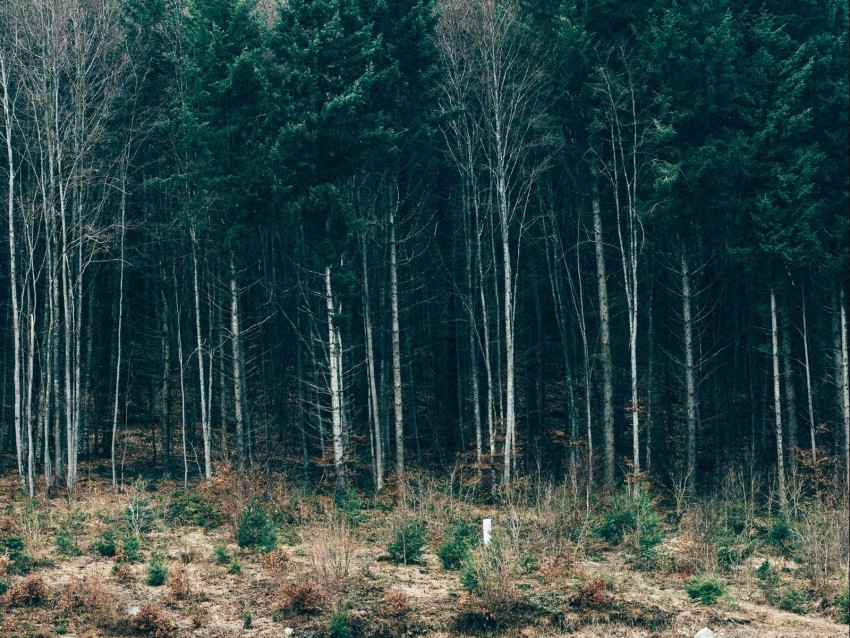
(585, 239)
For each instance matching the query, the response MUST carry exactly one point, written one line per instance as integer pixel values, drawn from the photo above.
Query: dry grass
(152, 620)
(29, 592)
(89, 598)
(305, 597)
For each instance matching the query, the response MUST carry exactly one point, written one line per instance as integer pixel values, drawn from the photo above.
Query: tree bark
(690, 375)
(333, 373)
(777, 402)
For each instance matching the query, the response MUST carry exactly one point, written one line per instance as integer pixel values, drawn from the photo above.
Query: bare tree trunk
(120, 320)
(777, 403)
(790, 392)
(205, 411)
(845, 389)
(374, 412)
(396, 346)
(333, 373)
(690, 375)
(182, 386)
(236, 348)
(13, 275)
(809, 392)
(605, 339)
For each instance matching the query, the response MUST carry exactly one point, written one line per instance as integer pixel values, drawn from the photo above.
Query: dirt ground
(215, 599)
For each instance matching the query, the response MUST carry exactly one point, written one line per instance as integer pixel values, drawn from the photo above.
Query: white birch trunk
(374, 412)
(777, 402)
(205, 412)
(396, 347)
(690, 376)
(333, 373)
(236, 349)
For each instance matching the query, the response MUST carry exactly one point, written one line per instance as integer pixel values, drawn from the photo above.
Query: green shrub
(350, 505)
(456, 545)
(253, 528)
(732, 550)
(780, 535)
(247, 621)
(130, 548)
(794, 600)
(106, 544)
(191, 509)
(157, 572)
(4, 587)
(632, 515)
(66, 545)
(339, 625)
(706, 589)
(20, 563)
(235, 567)
(220, 555)
(408, 540)
(843, 604)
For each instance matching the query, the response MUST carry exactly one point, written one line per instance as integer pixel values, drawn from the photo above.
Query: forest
(368, 246)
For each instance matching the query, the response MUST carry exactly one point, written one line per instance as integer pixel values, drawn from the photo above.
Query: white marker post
(487, 528)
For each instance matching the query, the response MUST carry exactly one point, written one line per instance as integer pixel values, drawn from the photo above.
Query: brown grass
(29, 592)
(305, 597)
(153, 620)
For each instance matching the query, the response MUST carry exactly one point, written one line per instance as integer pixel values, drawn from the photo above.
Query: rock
(133, 610)
(705, 632)
(288, 631)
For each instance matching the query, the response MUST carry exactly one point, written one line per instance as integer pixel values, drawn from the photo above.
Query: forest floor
(71, 570)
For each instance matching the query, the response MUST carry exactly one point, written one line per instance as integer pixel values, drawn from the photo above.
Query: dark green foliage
(157, 572)
(350, 505)
(733, 549)
(339, 625)
(106, 544)
(766, 573)
(235, 567)
(247, 621)
(4, 587)
(220, 555)
(254, 530)
(456, 545)
(636, 517)
(66, 544)
(407, 543)
(706, 589)
(191, 509)
(780, 535)
(795, 600)
(130, 547)
(843, 604)
(21, 563)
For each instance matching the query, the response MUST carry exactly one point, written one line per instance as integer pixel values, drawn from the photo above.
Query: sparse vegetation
(254, 530)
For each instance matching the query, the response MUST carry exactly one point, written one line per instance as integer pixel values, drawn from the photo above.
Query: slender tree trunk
(182, 375)
(236, 347)
(845, 389)
(605, 339)
(396, 346)
(777, 403)
(809, 392)
(690, 375)
(205, 411)
(790, 392)
(333, 373)
(13, 275)
(370, 368)
(120, 320)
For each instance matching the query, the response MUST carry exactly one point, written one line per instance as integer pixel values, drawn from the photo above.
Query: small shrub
(843, 604)
(157, 572)
(394, 604)
(794, 600)
(91, 598)
(220, 555)
(30, 592)
(235, 566)
(137, 514)
(302, 598)
(633, 516)
(106, 544)
(178, 584)
(253, 528)
(4, 587)
(407, 543)
(247, 620)
(593, 595)
(66, 545)
(276, 561)
(122, 572)
(339, 625)
(152, 620)
(456, 545)
(488, 573)
(20, 562)
(705, 589)
(780, 535)
(130, 548)
(192, 509)
(350, 505)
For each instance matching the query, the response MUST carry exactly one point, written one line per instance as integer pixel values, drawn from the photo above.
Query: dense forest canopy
(587, 240)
